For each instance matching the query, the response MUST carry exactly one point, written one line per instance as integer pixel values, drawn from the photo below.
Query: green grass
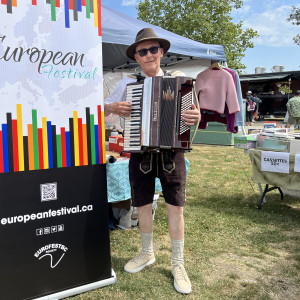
(232, 249)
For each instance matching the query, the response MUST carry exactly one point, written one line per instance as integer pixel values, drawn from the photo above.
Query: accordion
(155, 121)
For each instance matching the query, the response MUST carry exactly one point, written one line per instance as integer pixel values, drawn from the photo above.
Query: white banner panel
(278, 162)
(51, 80)
(297, 163)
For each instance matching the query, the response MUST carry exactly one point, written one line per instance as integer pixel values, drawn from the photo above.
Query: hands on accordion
(157, 106)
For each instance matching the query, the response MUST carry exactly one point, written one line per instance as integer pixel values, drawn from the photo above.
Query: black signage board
(53, 230)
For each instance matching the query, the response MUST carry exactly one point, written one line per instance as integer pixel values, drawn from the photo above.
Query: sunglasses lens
(153, 50)
(143, 52)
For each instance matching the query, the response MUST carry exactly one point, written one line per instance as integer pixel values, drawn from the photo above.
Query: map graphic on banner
(50, 85)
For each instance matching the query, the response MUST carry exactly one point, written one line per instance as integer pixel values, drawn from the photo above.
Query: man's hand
(191, 116)
(121, 108)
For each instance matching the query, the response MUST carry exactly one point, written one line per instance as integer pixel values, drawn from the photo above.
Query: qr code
(49, 191)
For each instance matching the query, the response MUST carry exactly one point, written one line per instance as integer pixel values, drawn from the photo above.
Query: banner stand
(54, 223)
(81, 289)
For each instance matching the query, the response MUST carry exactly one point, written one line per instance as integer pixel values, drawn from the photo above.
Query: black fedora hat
(144, 35)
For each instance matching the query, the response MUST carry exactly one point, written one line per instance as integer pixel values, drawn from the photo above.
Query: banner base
(81, 289)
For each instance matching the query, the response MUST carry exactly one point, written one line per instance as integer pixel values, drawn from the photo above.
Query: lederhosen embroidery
(146, 163)
(167, 163)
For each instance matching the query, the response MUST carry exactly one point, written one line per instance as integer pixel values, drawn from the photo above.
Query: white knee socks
(177, 247)
(177, 251)
(147, 242)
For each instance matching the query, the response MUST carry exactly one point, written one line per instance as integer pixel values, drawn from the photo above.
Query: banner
(53, 205)
(297, 163)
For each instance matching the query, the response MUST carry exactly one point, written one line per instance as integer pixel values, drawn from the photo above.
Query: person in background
(293, 108)
(256, 113)
(249, 95)
(169, 166)
(250, 109)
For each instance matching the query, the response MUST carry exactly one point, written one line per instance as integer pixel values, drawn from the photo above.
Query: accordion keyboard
(132, 135)
(186, 103)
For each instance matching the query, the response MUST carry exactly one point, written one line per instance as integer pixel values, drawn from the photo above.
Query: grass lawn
(232, 249)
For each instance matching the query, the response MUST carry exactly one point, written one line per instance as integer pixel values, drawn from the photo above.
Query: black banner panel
(53, 231)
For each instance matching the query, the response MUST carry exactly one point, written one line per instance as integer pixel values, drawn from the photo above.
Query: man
(258, 102)
(148, 50)
(293, 108)
(253, 99)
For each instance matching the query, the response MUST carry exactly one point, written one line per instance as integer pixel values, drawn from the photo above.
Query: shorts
(168, 166)
(292, 120)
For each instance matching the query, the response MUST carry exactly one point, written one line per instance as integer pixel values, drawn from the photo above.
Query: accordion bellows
(157, 106)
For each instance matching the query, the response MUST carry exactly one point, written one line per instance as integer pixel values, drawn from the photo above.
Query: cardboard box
(294, 146)
(254, 131)
(116, 143)
(214, 134)
(125, 154)
(245, 141)
(272, 144)
(270, 124)
(276, 130)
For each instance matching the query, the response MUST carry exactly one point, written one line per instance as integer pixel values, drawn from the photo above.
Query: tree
(295, 19)
(206, 21)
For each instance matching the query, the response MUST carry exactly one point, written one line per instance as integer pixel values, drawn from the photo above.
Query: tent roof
(263, 78)
(270, 76)
(119, 31)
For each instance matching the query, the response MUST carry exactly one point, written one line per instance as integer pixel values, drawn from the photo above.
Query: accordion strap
(138, 77)
(198, 107)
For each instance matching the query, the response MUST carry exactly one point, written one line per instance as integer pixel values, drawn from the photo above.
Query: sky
(274, 46)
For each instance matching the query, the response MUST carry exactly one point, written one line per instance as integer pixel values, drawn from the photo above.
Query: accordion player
(155, 121)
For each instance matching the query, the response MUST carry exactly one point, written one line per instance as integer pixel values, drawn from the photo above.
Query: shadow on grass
(274, 209)
(277, 222)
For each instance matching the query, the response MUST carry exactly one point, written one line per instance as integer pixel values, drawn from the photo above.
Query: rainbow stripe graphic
(80, 145)
(91, 6)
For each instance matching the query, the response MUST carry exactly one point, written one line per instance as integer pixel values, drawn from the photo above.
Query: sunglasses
(143, 52)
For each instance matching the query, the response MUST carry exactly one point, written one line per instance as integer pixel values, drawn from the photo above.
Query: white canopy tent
(119, 31)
